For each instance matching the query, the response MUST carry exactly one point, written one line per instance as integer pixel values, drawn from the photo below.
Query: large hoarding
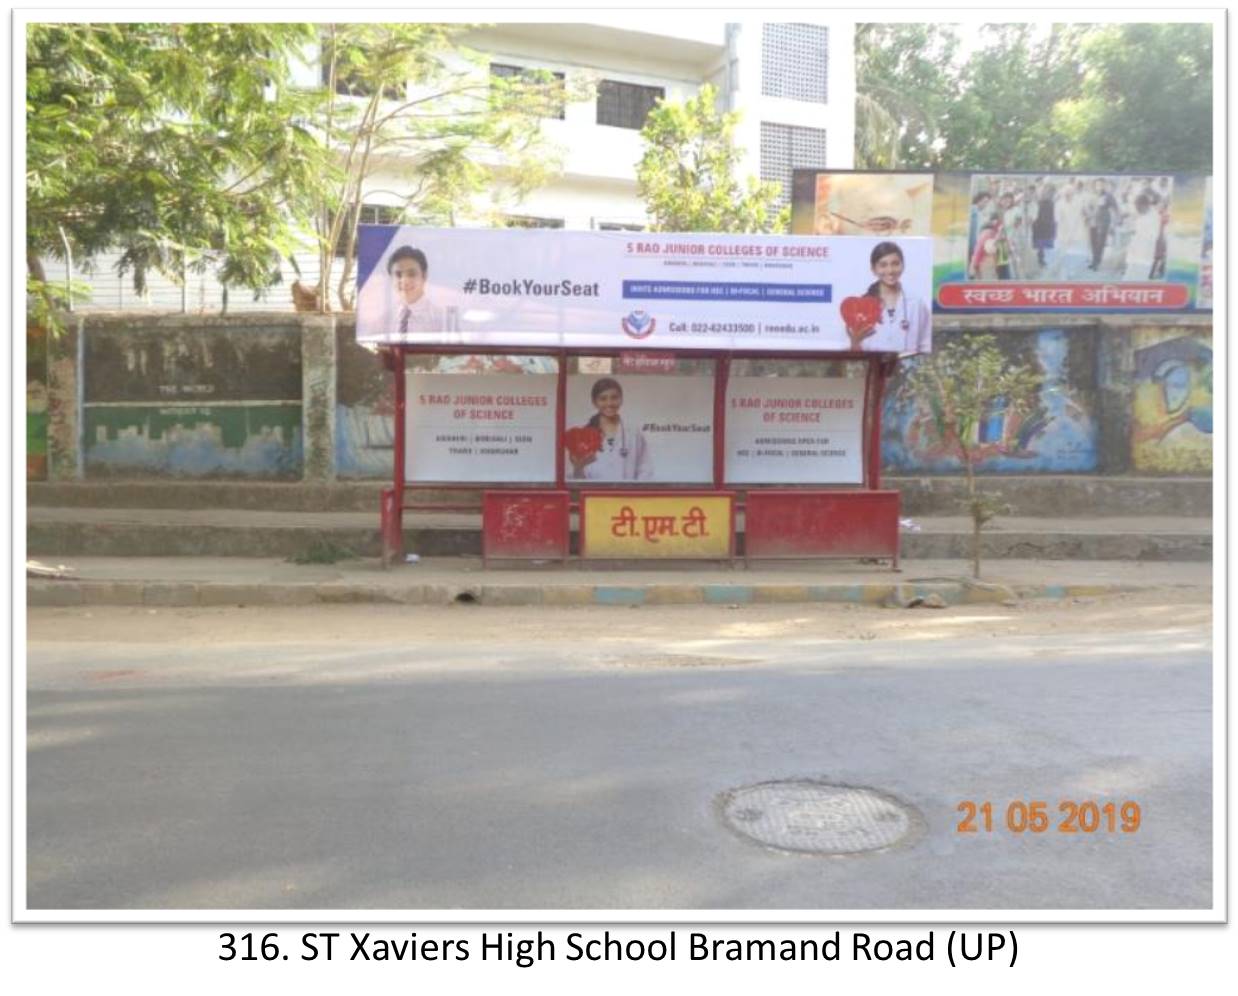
(1086, 242)
(489, 288)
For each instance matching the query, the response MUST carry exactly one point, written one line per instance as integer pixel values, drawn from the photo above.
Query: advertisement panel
(876, 204)
(487, 427)
(1079, 242)
(552, 288)
(794, 430)
(638, 427)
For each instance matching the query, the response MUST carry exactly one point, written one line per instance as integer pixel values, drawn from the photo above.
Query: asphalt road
(356, 758)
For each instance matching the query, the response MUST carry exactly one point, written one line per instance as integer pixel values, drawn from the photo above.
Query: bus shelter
(786, 444)
(672, 392)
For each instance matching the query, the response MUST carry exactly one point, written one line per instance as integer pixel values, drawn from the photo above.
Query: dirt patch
(615, 633)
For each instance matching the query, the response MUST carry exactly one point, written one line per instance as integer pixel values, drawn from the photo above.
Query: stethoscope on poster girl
(623, 442)
(887, 263)
(607, 398)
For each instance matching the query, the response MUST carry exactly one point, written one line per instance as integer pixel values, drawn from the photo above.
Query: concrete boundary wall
(280, 396)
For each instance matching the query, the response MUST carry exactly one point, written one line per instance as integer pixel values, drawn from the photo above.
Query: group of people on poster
(1070, 228)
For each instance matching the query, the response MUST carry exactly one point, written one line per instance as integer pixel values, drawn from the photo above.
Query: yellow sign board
(645, 525)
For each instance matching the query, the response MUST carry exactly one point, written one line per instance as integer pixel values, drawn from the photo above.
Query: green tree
(906, 77)
(183, 146)
(420, 105)
(686, 176)
(960, 384)
(1002, 116)
(1082, 97)
(1145, 103)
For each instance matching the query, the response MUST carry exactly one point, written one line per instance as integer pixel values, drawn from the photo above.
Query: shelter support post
(392, 510)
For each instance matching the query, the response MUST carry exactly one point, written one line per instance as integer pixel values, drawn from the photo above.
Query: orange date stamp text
(1087, 816)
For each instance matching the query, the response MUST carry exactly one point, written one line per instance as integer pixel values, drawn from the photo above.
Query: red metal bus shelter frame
(880, 366)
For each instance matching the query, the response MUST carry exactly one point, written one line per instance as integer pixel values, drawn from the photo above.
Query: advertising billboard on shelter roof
(489, 288)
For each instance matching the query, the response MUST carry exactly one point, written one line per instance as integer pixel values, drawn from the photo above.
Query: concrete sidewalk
(222, 581)
(64, 531)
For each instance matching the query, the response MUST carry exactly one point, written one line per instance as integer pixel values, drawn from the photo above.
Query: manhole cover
(816, 817)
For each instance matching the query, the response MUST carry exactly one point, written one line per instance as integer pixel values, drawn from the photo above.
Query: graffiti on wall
(202, 441)
(36, 403)
(1058, 435)
(1171, 416)
(196, 365)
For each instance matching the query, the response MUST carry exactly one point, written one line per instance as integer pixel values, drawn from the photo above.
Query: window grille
(626, 105)
(795, 61)
(785, 148)
(370, 214)
(529, 221)
(346, 82)
(554, 101)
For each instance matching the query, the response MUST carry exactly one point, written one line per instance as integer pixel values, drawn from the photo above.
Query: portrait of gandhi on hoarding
(883, 205)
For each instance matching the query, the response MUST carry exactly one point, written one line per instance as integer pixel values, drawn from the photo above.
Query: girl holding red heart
(611, 451)
(902, 325)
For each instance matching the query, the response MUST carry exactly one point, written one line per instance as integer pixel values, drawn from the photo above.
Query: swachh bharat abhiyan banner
(551, 288)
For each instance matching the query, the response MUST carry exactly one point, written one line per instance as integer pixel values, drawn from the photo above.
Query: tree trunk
(975, 516)
(34, 266)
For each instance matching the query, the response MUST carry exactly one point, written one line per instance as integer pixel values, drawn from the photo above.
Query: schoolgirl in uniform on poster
(624, 454)
(905, 325)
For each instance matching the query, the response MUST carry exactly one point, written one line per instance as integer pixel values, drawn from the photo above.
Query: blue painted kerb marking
(727, 594)
(607, 595)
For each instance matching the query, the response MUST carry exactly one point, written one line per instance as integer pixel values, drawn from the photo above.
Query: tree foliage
(1145, 103)
(1002, 116)
(180, 145)
(1105, 98)
(905, 78)
(424, 110)
(961, 384)
(189, 146)
(687, 174)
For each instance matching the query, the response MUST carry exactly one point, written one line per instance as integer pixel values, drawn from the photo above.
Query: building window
(529, 221)
(626, 105)
(370, 214)
(346, 82)
(552, 99)
(795, 61)
(619, 226)
(786, 148)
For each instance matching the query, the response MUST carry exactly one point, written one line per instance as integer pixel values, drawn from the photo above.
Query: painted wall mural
(198, 366)
(36, 403)
(1171, 417)
(1058, 436)
(193, 402)
(195, 441)
(364, 411)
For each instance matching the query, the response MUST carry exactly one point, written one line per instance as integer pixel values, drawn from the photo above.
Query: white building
(794, 85)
